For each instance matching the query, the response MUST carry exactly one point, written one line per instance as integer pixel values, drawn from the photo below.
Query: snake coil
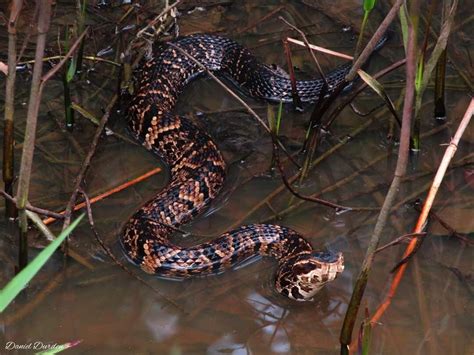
(198, 170)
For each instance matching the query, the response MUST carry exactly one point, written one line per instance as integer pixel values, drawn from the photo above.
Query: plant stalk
(440, 80)
(30, 130)
(400, 170)
(448, 155)
(8, 129)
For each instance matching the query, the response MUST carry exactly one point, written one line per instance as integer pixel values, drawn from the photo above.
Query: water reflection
(271, 318)
(228, 344)
(160, 322)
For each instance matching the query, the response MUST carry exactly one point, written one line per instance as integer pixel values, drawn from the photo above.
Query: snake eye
(326, 256)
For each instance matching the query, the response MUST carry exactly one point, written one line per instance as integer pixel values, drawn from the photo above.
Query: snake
(197, 169)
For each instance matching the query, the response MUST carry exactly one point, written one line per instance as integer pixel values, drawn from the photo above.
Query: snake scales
(198, 170)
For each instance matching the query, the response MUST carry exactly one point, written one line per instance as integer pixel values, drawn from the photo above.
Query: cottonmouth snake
(198, 170)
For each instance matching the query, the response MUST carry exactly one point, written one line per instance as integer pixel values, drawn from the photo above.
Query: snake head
(303, 275)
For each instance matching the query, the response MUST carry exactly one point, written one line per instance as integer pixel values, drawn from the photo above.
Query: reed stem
(440, 80)
(30, 130)
(400, 170)
(8, 129)
(450, 151)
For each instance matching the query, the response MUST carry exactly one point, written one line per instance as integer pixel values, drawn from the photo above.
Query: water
(238, 312)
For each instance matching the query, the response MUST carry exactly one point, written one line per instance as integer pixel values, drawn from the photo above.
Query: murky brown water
(238, 312)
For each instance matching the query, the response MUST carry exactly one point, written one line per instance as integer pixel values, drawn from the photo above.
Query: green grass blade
(419, 73)
(59, 348)
(404, 25)
(367, 334)
(278, 122)
(368, 7)
(14, 287)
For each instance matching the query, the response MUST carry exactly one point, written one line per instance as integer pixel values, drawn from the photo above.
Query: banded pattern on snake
(198, 170)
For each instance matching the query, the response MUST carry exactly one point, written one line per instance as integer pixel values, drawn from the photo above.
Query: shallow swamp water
(239, 312)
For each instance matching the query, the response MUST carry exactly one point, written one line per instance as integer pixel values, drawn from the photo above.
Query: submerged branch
(105, 194)
(338, 208)
(86, 163)
(30, 207)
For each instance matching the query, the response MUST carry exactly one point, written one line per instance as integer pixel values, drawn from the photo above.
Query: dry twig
(448, 155)
(30, 207)
(105, 194)
(86, 163)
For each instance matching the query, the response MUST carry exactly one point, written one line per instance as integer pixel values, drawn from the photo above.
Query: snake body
(198, 170)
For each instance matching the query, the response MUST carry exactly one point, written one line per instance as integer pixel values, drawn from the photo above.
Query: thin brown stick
(37, 86)
(291, 72)
(308, 47)
(8, 138)
(450, 151)
(105, 194)
(337, 207)
(445, 225)
(30, 207)
(320, 49)
(86, 163)
(399, 240)
(30, 130)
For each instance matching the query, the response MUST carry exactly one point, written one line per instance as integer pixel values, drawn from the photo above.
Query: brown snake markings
(198, 171)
